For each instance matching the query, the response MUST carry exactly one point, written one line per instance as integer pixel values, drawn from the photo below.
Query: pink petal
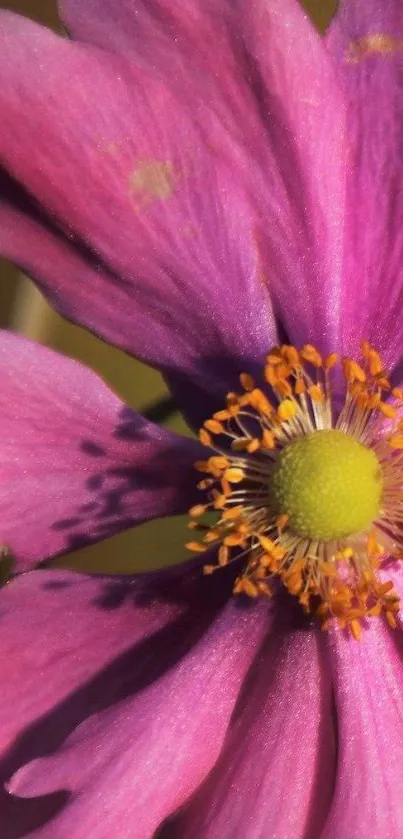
(366, 42)
(274, 203)
(299, 146)
(146, 687)
(368, 678)
(147, 193)
(76, 465)
(274, 776)
(303, 116)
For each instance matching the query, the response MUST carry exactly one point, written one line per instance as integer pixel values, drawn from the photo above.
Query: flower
(310, 498)
(198, 208)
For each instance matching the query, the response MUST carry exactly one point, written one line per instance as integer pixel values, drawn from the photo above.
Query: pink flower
(197, 181)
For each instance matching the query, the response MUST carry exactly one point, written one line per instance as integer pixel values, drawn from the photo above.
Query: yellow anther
(363, 400)
(382, 382)
(218, 461)
(268, 439)
(245, 586)
(296, 567)
(397, 392)
(293, 582)
(310, 353)
(281, 521)
(270, 375)
(355, 628)
(233, 404)
(357, 372)
(291, 355)
(316, 393)
(259, 401)
(219, 499)
(374, 401)
(267, 561)
(271, 548)
(234, 475)
(246, 381)
(197, 510)
(215, 469)
(205, 437)
(196, 547)
(253, 445)
(223, 555)
(331, 360)
(233, 540)
(283, 387)
(375, 363)
(300, 386)
(267, 544)
(274, 357)
(214, 426)
(232, 513)
(387, 410)
(353, 372)
(373, 546)
(384, 588)
(396, 442)
(286, 410)
(344, 553)
(209, 569)
(391, 619)
(221, 416)
(211, 536)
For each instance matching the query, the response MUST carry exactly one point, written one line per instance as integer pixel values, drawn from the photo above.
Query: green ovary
(328, 484)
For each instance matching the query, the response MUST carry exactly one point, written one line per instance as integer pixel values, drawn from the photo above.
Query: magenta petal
(147, 193)
(303, 116)
(274, 776)
(76, 465)
(60, 629)
(145, 677)
(368, 679)
(168, 37)
(366, 39)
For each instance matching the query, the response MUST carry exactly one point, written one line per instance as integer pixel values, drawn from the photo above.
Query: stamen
(328, 560)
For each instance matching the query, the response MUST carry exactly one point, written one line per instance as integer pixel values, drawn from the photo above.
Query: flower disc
(328, 484)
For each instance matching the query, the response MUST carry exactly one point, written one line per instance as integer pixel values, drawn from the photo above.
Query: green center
(328, 484)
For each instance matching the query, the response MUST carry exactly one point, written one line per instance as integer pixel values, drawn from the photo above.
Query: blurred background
(24, 310)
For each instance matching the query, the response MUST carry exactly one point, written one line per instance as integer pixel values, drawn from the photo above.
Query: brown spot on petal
(152, 179)
(378, 43)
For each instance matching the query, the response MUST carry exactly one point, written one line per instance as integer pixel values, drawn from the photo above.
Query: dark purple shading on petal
(76, 465)
(275, 774)
(366, 42)
(119, 693)
(171, 39)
